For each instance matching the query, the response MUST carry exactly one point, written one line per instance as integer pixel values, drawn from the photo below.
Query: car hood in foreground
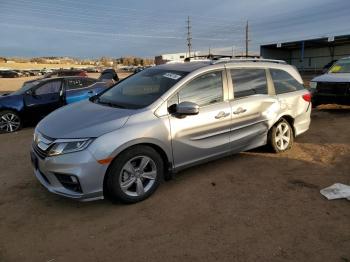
(337, 77)
(83, 119)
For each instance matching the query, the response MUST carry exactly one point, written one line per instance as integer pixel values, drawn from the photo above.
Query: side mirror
(187, 108)
(30, 92)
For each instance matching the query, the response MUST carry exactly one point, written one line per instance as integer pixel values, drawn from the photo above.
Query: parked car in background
(9, 74)
(138, 69)
(328, 65)
(66, 72)
(19, 72)
(332, 87)
(46, 71)
(38, 98)
(122, 142)
(92, 70)
(109, 76)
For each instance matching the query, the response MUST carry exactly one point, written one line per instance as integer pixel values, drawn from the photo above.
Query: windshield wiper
(111, 104)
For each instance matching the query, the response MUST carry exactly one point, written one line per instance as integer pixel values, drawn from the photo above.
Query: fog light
(74, 179)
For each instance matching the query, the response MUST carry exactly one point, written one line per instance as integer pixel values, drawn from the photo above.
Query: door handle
(90, 92)
(221, 114)
(239, 110)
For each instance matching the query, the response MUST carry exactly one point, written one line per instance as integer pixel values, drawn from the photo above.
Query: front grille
(67, 182)
(333, 88)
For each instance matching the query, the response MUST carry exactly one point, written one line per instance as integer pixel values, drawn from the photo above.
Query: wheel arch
(166, 160)
(290, 121)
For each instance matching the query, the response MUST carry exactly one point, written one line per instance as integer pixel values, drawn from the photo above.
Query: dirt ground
(253, 206)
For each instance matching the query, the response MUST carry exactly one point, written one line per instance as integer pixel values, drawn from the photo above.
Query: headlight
(64, 146)
(313, 84)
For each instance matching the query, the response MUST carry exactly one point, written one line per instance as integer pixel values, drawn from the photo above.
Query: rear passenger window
(248, 81)
(74, 83)
(203, 90)
(88, 82)
(284, 82)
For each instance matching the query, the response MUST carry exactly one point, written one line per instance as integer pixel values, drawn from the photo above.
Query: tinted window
(88, 81)
(284, 82)
(141, 89)
(106, 76)
(74, 83)
(248, 81)
(204, 90)
(342, 66)
(49, 88)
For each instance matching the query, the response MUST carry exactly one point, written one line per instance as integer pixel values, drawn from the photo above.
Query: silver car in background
(123, 142)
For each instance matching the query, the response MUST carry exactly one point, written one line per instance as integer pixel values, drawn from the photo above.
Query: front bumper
(82, 165)
(320, 98)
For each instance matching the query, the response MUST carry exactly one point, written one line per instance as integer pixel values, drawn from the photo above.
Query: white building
(176, 57)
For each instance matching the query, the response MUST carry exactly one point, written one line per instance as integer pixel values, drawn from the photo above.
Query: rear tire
(281, 136)
(9, 121)
(134, 175)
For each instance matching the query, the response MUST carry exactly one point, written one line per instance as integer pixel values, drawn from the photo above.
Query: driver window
(51, 87)
(204, 90)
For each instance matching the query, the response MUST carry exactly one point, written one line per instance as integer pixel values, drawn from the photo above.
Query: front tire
(281, 136)
(9, 121)
(134, 175)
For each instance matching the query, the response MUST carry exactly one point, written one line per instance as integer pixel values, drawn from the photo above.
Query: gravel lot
(253, 206)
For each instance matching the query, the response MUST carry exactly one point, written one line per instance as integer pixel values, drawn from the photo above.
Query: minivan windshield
(341, 66)
(141, 89)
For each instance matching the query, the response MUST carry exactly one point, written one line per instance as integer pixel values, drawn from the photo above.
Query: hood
(83, 119)
(337, 77)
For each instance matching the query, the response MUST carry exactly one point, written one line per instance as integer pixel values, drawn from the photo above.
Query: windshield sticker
(172, 76)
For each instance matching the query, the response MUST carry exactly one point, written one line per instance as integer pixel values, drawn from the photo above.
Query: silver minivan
(120, 144)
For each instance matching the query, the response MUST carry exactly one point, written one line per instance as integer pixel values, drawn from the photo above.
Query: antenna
(189, 36)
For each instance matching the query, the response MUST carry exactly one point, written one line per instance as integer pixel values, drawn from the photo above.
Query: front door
(206, 135)
(43, 99)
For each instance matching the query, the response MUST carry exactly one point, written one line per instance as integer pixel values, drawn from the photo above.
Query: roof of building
(317, 42)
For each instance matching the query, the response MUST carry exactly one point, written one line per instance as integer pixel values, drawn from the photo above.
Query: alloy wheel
(138, 176)
(9, 122)
(282, 136)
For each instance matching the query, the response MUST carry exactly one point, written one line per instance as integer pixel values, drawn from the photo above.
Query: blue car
(36, 99)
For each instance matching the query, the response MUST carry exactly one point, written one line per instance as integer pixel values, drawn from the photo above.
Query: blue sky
(91, 29)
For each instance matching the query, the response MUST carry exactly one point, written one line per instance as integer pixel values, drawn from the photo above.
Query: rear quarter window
(284, 82)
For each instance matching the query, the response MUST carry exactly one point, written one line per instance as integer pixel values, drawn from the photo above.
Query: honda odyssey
(124, 141)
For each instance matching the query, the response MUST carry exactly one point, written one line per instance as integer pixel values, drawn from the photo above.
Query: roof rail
(239, 60)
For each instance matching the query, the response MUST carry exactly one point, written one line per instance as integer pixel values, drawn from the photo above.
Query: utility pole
(189, 36)
(246, 38)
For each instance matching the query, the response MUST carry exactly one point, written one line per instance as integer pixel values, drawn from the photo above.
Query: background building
(176, 57)
(309, 55)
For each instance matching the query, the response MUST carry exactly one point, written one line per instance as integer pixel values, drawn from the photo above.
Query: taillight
(307, 97)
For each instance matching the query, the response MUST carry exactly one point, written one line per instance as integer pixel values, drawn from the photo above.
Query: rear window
(248, 81)
(284, 82)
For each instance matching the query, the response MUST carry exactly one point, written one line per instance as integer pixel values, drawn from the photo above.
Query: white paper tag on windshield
(172, 76)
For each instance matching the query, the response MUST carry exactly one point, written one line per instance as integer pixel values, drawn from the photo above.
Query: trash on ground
(336, 191)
